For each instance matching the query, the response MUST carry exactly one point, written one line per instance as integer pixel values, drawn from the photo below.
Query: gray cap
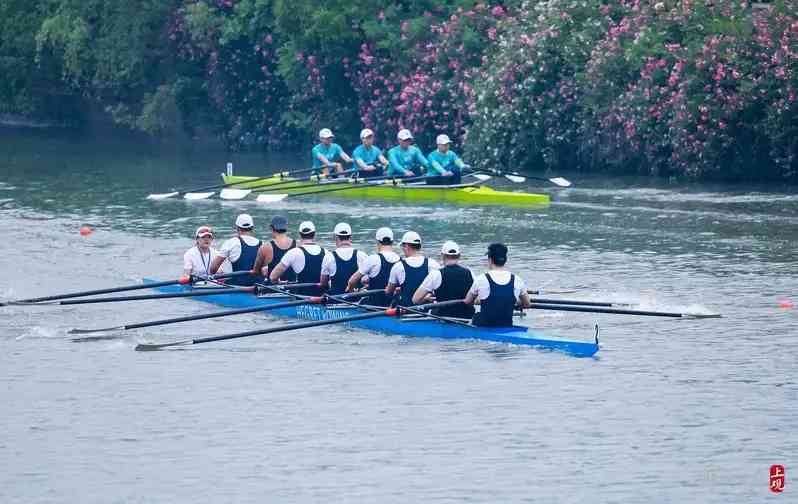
(279, 223)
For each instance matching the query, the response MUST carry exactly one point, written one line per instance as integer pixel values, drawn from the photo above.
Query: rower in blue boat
(376, 268)
(497, 291)
(339, 266)
(305, 261)
(445, 167)
(197, 260)
(369, 161)
(409, 272)
(271, 252)
(406, 160)
(240, 250)
(327, 155)
(452, 281)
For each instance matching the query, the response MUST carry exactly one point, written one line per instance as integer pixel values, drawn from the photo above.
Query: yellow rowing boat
(464, 194)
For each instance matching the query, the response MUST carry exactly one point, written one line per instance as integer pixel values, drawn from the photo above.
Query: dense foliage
(682, 87)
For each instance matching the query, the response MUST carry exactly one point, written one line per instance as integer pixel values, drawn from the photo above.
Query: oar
(145, 297)
(197, 193)
(618, 311)
(577, 302)
(390, 312)
(181, 280)
(224, 313)
(518, 177)
(237, 194)
(274, 198)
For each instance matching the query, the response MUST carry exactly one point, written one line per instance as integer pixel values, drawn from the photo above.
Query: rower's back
(456, 281)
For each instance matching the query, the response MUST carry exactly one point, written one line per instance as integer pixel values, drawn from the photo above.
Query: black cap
(279, 223)
(497, 252)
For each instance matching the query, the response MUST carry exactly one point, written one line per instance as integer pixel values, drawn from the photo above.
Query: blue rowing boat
(408, 326)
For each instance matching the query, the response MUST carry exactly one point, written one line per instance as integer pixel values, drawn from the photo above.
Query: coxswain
(497, 291)
(369, 161)
(451, 282)
(406, 160)
(339, 266)
(409, 272)
(445, 167)
(376, 268)
(304, 260)
(272, 252)
(327, 154)
(240, 250)
(197, 260)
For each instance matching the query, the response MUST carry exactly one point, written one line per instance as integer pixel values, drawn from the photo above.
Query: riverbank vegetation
(677, 87)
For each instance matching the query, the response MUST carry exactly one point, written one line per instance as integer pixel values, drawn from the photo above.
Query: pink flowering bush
(431, 91)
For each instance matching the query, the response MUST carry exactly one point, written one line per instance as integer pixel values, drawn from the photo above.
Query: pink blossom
(497, 11)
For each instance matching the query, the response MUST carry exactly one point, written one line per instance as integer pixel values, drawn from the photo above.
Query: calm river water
(669, 410)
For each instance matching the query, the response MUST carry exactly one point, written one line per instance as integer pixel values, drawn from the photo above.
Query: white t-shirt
(231, 249)
(294, 259)
(397, 276)
(433, 280)
(329, 266)
(372, 265)
(197, 263)
(481, 286)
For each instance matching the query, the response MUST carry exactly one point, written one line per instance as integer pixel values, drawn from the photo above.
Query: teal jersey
(440, 163)
(401, 160)
(332, 153)
(369, 156)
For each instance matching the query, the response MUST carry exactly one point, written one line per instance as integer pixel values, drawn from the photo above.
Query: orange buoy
(786, 304)
(85, 231)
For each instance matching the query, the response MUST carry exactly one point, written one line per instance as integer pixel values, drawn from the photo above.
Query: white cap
(325, 133)
(203, 231)
(450, 248)
(442, 140)
(384, 233)
(307, 227)
(343, 229)
(365, 133)
(244, 221)
(412, 238)
(404, 134)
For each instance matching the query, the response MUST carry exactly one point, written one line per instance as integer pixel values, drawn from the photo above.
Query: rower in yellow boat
(452, 281)
(197, 260)
(240, 251)
(409, 272)
(327, 155)
(369, 161)
(271, 252)
(339, 266)
(375, 270)
(445, 167)
(406, 160)
(497, 291)
(305, 261)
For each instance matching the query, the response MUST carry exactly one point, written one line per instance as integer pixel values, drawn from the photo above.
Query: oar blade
(162, 196)
(90, 331)
(515, 178)
(234, 194)
(198, 195)
(559, 181)
(271, 198)
(149, 347)
(481, 176)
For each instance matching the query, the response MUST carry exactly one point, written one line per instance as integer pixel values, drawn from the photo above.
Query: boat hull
(465, 194)
(412, 327)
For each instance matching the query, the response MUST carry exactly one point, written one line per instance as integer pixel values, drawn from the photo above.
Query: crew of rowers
(417, 278)
(441, 166)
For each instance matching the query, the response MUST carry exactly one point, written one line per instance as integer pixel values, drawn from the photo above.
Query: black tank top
(343, 271)
(497, 309)
(277, 255)
(311, 273)
(455, 284)
(380, 282)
